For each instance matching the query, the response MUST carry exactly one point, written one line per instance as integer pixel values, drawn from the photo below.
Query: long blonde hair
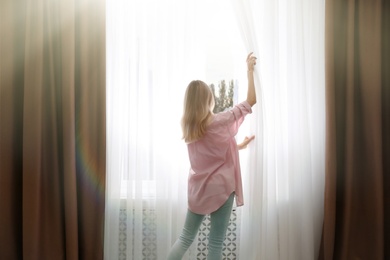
(198, 107)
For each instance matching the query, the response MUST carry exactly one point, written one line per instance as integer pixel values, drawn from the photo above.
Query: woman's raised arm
(251, 96)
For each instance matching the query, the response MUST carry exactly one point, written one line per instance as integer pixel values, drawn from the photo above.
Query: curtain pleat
(153, 52)
(284, 177)
(357, 129)
(52, 115)
(385, 68)
(11, 123)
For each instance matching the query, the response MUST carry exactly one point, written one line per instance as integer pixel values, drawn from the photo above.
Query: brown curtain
(357, 187)
(52, 129)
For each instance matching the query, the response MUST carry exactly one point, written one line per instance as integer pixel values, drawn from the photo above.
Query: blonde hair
(198, 107)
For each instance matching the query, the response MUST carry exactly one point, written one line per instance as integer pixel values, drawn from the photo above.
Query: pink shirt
(215, 167)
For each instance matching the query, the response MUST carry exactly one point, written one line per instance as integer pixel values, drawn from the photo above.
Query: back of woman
(215, 168)
(215, 176)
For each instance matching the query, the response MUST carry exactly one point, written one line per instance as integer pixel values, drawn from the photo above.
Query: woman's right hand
(251, 62)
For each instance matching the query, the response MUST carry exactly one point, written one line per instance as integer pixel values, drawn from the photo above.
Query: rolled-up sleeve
(237, 116)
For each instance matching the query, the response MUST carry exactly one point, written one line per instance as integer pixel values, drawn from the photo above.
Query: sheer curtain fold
(285, 172)
(148, 69)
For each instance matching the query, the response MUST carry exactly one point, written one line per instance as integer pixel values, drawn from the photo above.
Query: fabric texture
(215, 167)
(52, 129)
(284, 168)
(152, 54)
(357, 190)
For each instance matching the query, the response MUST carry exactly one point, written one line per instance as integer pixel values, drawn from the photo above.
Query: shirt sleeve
(236, 116)
(227, 123)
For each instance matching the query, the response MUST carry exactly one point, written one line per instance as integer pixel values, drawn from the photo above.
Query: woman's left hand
(245, 143)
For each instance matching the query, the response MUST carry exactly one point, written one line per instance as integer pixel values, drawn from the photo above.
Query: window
(135, 44)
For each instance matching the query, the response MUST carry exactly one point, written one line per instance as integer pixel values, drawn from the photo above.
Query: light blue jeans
(219, 221)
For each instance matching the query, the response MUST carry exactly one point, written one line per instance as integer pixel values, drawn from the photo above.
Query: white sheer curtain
(153, 52)
(284, 186)
(154, 49)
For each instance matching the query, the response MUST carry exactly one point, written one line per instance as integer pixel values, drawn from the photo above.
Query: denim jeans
(219, 221)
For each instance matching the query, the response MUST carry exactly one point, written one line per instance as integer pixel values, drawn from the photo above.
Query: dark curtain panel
(52, 129)
(386, 122)
(357, 202)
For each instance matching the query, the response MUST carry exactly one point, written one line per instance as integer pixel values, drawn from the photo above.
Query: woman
(215, 177)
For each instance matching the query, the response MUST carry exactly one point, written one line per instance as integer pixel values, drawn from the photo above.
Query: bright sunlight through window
(219, 56)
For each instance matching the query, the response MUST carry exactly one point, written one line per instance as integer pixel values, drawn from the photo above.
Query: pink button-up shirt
(215, 168)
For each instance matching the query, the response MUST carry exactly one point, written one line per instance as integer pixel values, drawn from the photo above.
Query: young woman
(215, 177)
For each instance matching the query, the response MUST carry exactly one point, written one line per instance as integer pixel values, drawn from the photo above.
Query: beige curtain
(357, 192)
(52, 134)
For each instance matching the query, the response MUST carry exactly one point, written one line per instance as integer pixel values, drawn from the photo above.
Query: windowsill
(147, 191)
